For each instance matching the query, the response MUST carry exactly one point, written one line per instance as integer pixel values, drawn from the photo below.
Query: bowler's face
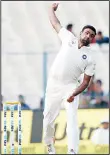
(87, 36)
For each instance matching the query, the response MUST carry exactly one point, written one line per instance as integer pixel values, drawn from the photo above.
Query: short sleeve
(90, 69)
(64, 34)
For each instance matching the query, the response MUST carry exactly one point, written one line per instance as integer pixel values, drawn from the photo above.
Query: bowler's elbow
(86, 80)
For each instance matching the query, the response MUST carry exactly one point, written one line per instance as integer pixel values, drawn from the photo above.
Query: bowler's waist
(63, 81)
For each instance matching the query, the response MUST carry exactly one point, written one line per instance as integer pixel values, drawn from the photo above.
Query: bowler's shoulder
(63, 32)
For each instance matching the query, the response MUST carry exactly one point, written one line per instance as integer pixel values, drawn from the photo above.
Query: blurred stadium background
(29, 46)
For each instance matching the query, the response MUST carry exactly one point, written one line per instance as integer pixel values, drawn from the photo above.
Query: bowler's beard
(85, 42)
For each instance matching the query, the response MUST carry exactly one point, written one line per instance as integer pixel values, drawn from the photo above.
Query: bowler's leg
(51, 111)
(72, 125)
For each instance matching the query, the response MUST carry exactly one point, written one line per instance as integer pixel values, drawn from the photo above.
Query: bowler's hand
(55, 6)
(70, 99)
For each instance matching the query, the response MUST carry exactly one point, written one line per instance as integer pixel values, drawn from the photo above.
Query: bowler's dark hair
(90, 27)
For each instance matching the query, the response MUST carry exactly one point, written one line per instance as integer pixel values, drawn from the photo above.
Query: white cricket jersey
(70, 61)
(100, 136)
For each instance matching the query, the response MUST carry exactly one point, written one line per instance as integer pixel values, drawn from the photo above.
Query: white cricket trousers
(56, 93)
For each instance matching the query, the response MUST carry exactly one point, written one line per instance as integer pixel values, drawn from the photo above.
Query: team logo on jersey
(84, 56)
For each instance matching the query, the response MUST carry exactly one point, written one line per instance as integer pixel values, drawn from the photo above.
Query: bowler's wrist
(73, 95)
